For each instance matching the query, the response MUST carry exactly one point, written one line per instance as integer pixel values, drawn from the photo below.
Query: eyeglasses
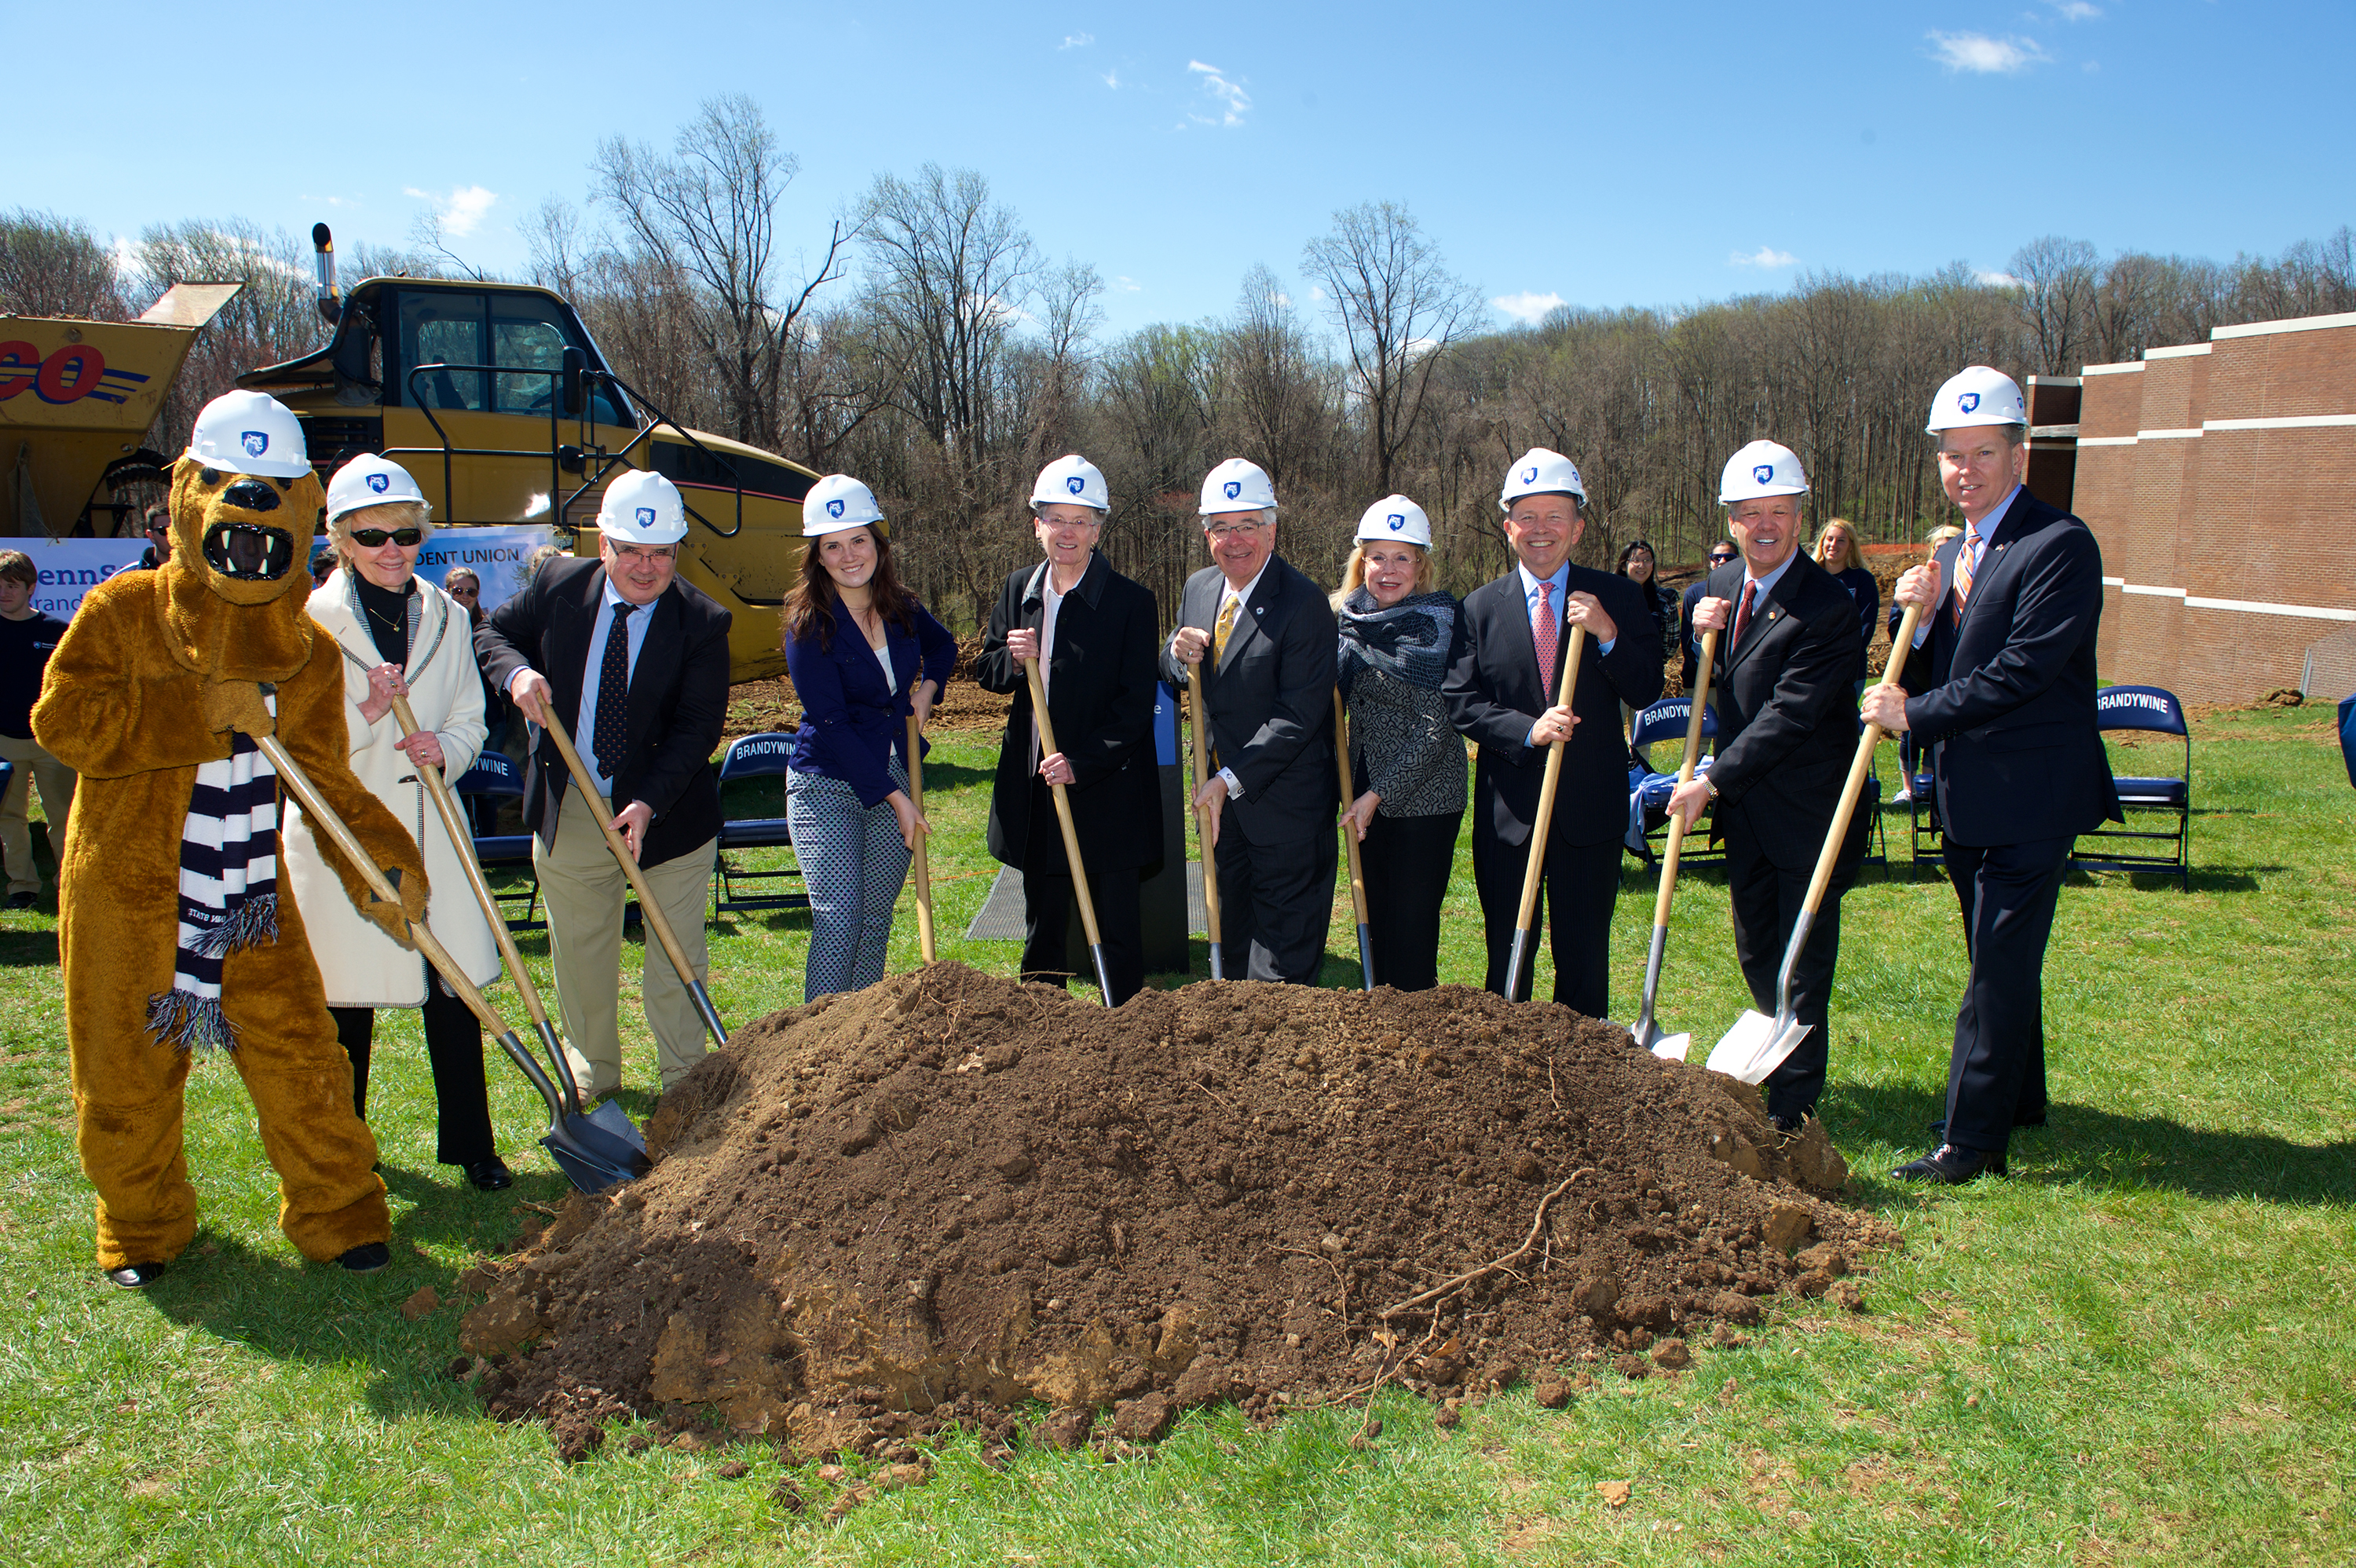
(1234, 532)
(373, 538)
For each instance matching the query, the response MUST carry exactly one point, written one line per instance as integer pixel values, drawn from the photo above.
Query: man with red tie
(2000, 686)
(1786, 733)
(1501, 695)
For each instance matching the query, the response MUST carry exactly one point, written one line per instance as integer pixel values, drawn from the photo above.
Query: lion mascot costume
(175, 933)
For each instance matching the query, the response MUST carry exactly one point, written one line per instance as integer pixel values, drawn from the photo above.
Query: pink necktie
(1542, 632)
(1963, 569)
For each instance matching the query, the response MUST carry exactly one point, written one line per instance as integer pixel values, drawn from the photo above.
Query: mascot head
(245, 506)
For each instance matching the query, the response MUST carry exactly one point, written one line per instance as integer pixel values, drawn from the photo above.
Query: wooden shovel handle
(1684, 776)
(1349, 834)
(649, 909)
(1536, 872)
(1047, 747)
(1202, 750)
(1859, 766)
(924, 865)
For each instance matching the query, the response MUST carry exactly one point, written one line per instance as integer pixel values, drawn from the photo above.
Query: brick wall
(2221, 480)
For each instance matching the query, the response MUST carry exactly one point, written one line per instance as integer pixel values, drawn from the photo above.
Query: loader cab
(523, 331)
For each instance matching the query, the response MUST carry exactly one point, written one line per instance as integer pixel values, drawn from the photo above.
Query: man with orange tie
(2001, 679)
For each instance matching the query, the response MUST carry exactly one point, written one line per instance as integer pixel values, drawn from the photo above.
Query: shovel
(1756, 1046)
(1071, 835)
(1202, 818)
(1526, 926)
(647, 908)
(608, 1117)
(590, 1155)
(924, 870)
(1647, 1033)
(1350, 836)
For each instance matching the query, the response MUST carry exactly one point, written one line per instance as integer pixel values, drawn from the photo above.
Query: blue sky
(1600, 155)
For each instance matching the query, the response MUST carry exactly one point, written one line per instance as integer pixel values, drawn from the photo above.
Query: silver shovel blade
(1673, 1047)
(1755, 1047)
(612, 1119)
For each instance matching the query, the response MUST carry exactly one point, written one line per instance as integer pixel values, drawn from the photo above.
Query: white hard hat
(1072, 481)
(250, 432)
(1977, 395)
(1762, 468)
(1539, 471)
(1237, 485)
(643, 507)
(1396, 518)
(368, 480)
(836, 503)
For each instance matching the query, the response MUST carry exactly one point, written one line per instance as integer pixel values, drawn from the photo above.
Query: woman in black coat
(1837, 552)
(1098, 632)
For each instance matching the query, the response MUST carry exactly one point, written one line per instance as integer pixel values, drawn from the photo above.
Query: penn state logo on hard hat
(645, 517)
(1075, 484)
(1233, 487)
(255, 443)
(1530, 475)
(1969, 402)
(1398, 521)
(834, 508)
(1764, 472)
(380, 483)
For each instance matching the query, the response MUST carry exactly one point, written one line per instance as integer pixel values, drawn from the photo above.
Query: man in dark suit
(1720, 554)
(1264, 637)
(1786, 735)
(1093, 632)
(1501, 695)
(2002, 677)
(635, 662)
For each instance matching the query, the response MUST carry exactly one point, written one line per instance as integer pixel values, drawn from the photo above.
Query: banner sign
(71, 567)
(496, 555)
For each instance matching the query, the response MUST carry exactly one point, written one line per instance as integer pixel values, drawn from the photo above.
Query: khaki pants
(584, 888)
(57, 782)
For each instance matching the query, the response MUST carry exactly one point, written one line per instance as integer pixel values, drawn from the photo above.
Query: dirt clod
(926, 1205)
(1671, 1356)
(1552, 1393)
(424, 1299)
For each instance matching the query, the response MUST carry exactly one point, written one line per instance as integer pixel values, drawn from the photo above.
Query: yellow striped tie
(1226, 625)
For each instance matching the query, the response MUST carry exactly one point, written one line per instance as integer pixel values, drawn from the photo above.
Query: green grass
(2138, 1349)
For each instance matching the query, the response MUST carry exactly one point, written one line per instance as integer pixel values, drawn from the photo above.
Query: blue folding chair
(2153, 710)
(1649, 789)
(764, 755)
(494, 778)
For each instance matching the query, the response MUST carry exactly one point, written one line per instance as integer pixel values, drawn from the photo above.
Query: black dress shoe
(135, 1276)
(1951, 1163)
(365, 1258)
(21, 900)
(1786, 1126)
(490, 1175)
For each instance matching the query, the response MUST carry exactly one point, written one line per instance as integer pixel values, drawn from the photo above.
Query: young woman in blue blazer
(864, 655)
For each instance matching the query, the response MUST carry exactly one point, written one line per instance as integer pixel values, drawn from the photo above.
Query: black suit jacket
(1493, 698)
(2005, 701)
(1270, 699)
(1786, 721)
(679, 699)
(1100, 693)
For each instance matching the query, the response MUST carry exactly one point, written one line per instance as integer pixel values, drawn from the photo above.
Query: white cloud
(1316, 295)
(1765, 256)
(1233, 101)
(1076, 41)
(2075, 10)
(1528, 307)
(1995, 280)
(1112, 79)
(461, 211)
(1127, 286)
(1982, 55)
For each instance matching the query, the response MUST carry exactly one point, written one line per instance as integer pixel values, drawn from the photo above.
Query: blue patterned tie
(612, 735)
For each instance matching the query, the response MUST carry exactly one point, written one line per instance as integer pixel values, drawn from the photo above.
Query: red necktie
(1742, 613)
(1963, 569)
(1542, 632)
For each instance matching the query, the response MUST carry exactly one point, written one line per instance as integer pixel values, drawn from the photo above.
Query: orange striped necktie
(1964, 558)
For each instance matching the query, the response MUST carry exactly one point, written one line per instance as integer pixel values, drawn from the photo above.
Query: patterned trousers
(853, 863)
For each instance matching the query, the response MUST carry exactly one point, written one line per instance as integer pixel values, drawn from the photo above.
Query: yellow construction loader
(495, 397)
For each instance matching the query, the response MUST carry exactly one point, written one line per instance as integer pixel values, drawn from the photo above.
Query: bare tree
(273, 318)
(707, 215)
(2057, 294)
(54, 266)
(1399, 308)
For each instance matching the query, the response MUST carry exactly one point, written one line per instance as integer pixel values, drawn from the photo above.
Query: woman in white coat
(401, 637)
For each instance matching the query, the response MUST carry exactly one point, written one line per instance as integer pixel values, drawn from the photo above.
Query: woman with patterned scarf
(1398, 635)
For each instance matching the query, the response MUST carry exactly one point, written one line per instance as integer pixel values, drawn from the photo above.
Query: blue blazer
(852, 723)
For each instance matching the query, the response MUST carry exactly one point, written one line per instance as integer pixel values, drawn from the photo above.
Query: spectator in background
(1909, 752)
(27, 637)
(1722, 553)
(322, 567)
(466, 589)
(1837, 552)
(1636, 564)
(159, 538)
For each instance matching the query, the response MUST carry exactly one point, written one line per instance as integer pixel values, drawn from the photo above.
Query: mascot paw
(365, 1258)
(394, 918)
(236, 705)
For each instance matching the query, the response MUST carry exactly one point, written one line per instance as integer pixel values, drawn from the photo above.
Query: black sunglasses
(372, 538)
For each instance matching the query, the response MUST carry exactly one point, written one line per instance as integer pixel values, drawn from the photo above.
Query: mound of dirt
(939, 1198)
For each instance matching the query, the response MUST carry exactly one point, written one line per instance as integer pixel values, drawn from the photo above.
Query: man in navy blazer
(1786, 736)
(1501, 695)
(2002, 681)
(553, 646)
(1263, 635)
